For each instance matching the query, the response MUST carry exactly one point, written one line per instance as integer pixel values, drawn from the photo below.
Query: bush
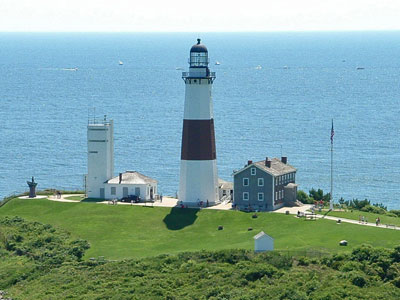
(373, 209)
(303, 197)
(395, 212)
(358, 279)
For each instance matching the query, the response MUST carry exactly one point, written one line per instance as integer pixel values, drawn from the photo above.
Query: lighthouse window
(198, 59)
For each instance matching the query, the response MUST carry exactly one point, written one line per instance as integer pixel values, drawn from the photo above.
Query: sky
(197, 16)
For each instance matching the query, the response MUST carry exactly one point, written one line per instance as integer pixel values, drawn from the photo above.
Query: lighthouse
(198, 174)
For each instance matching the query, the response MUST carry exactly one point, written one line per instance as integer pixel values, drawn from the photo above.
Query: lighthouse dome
(198, 47)
(198, 56)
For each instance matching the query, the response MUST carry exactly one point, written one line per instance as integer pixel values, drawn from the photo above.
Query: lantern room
(198, 56)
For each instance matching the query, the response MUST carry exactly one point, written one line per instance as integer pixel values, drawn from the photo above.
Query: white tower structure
(100, 141)
(198, 174)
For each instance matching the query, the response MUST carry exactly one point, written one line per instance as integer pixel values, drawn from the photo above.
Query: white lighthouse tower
(198, 174)
(100, 142)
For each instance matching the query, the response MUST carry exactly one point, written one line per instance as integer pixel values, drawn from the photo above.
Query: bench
(310, 216)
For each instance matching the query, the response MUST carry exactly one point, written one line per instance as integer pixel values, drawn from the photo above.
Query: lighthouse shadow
(179, 218)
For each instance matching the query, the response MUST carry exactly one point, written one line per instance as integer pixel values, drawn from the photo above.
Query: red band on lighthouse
(198, 140)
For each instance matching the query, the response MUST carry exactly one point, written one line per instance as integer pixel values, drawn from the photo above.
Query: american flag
(332, 133)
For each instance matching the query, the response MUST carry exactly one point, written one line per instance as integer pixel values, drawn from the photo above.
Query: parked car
(130, 198)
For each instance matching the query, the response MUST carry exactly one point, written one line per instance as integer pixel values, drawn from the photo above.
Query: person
(376, 221)
(298, 214)
(131, 202)
(379, 221)
(207, 202)
(362, 219)
(161, 198)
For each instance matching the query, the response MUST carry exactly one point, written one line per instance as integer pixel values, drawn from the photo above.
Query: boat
(360, 68)
(217, 63)
(121, 63)
(258, 67)
(70, 69)
(178, 68)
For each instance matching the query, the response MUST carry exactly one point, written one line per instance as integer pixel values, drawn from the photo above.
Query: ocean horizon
(275, 95)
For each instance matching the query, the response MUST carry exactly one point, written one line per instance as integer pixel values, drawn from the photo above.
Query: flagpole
(331, 200)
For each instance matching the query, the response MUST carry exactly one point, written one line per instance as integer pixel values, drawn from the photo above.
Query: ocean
(283, 107)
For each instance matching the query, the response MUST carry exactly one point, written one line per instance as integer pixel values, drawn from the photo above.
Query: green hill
(118, 232)
(41, 262)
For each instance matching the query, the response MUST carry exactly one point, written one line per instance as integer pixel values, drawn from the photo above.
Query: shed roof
(262, 234)
(131, 177)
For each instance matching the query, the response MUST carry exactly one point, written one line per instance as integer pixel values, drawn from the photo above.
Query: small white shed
(263, 242)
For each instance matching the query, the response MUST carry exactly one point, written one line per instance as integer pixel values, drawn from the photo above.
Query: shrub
(358, 279)
(373, 209)
(395, 212)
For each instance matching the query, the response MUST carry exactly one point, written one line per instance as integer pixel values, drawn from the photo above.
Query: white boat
(121, 63)
(217, 63)
(178, 68)
(258, 67)
(70, 69)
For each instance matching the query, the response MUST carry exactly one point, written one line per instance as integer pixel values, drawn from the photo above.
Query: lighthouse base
(198, 182)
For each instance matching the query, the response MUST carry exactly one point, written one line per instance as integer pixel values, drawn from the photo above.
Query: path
(356, 222)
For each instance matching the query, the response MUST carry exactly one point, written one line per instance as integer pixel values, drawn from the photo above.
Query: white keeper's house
(100, 181)
(131, 183)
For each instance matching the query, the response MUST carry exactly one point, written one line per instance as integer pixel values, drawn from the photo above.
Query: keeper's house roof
(131, 177)
(274, 167)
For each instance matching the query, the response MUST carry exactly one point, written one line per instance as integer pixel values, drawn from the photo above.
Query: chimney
(249, 162)
(284, 159)
(268, 163)
(120, 178)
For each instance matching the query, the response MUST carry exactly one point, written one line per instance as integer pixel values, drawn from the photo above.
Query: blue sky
(197, 16)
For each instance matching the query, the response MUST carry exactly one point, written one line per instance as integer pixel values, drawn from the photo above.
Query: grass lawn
(371, 217)
(75, 198)
(121, 231)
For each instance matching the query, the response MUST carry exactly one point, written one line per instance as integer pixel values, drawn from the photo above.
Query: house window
(276, 195)
(245, 182)
(253, 171)
(245, 196)
(260, 196)
(113, 190)
(279, 195)
(260, 181)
